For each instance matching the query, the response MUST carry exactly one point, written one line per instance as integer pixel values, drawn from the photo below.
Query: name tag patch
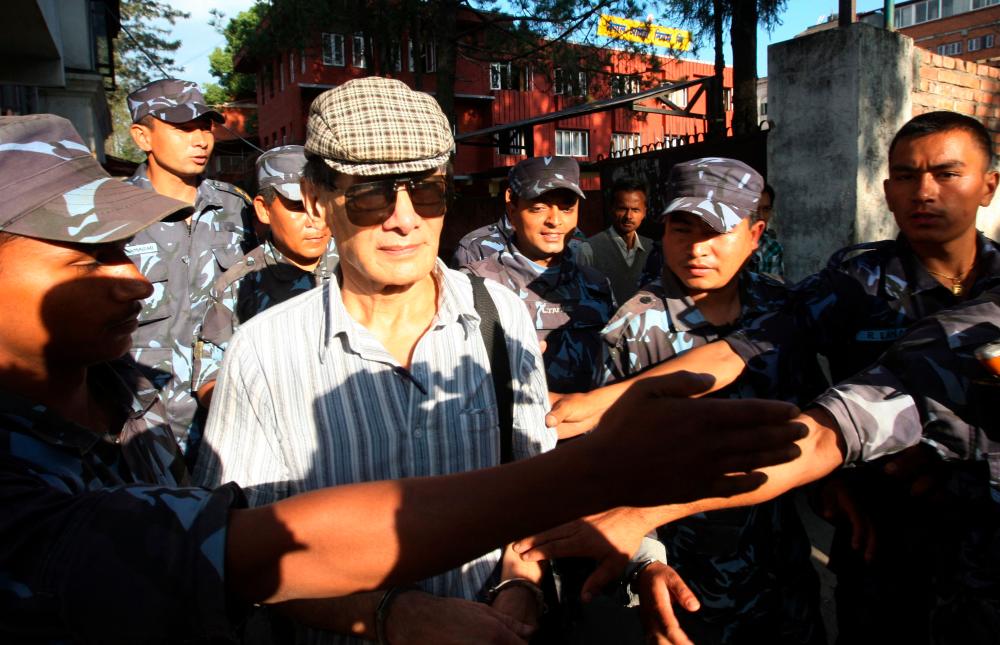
(879, 335)
(140, 249)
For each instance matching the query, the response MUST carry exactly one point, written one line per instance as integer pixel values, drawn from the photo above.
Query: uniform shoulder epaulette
(252, 261)
(230, 188)
(854, 251)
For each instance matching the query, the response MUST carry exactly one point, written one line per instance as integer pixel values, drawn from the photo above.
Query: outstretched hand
(660, 449)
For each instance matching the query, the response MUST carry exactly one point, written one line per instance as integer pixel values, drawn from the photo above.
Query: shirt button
(417, 434)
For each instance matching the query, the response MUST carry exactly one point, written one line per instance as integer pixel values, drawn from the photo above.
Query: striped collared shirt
(307, 398)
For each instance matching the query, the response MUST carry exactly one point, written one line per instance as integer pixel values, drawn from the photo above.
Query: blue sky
(198, 39)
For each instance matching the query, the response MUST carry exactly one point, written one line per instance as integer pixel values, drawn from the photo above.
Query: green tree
(238, 31)
(143, 52)
(743, 18)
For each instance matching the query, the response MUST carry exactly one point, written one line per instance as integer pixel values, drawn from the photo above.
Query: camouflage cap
(378, 126)
(55, 190)
(170, 100)
(723, 192)
(538, 175)
(281, 169)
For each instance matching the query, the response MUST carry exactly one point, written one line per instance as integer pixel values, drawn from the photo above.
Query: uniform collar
(44, 424)
(907, 270)
(684, 314)
(208, 193)
(618, 239)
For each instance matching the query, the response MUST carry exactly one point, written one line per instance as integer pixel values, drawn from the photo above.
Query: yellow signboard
(644, 32)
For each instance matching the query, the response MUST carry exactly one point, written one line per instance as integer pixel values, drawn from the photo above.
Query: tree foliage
(143, 52)
(543, 33)
(708, 18)
(239, 32)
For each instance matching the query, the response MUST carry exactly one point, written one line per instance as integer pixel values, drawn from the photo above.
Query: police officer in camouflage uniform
(568, 303)
(298, 254)
(941, 170)
(749, 566)
(183, 259)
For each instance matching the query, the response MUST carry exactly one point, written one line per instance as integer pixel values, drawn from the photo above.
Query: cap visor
(105, 210)
(290, 191)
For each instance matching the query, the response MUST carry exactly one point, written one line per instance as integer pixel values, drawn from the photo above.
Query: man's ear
(260, 208)
(756, 230)
(141, 135)
(991, 187)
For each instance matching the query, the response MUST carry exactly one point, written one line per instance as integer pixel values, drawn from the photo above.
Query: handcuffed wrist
(523, 583)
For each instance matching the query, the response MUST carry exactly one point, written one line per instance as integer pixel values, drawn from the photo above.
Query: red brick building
(486, 95)
(964, 29)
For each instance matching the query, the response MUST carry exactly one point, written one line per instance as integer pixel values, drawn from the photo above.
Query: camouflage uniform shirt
(569, 306)
(101, 539)
(183, 260)
(853, 310)
(260, 279)
(930, 388)
(749, 566)
(483, 242)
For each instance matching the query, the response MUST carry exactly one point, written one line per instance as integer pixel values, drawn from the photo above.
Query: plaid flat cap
(171, 100)
(536, 176)
(281, 168)
(378, 126)
(54, 189)
(722, 192)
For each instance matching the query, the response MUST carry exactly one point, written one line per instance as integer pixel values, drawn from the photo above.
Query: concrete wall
(836, 98)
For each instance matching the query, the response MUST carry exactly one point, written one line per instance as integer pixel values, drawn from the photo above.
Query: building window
(281, 75)
(979, 4)
(511, 142)
(566, 83)
(572, 143)
(291, 67)
(988, 41)
(393, 55)
(622, 84)
(679, 97)
(625, 143)
(727, 98)
(504, 76)
(763, 109)
(284, 137)
(972, 45)
(358, 58)
(950, 49)
(302, 59)
(428, 57)
(333, 50)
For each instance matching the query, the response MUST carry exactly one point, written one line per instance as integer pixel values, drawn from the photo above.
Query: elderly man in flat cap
(384, 374)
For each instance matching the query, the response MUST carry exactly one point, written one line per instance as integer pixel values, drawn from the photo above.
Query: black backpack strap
(496, 350)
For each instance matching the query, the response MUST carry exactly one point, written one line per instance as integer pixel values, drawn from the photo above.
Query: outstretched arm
(400, 531)
(574, 414)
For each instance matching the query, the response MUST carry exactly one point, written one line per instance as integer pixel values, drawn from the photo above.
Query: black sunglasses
(372, 203)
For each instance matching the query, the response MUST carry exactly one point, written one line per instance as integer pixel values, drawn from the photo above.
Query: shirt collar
(619, 240)
(453, 305)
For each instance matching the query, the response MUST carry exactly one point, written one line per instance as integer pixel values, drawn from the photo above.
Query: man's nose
(404, 217)
(130, 283)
